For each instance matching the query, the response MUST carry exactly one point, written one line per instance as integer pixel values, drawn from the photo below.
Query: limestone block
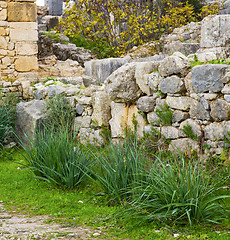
(175, 64)
(179, 116)
(23, 31)
(215, 31)
(220, 110)
(121, 84)
(26, 48)
(180, 145)
(3, 4)
(146, 104)
(3, 23)
(214, 131)
(3, 15)
(29, 117)
(82, 122)
(122, 117)
(101, 69)
(6, 61)
(198, 111)
(153, 80)
(188, 83)
(170, 132)
(101, 109)
(172, 84)
(3, 31)
(208, 77)
(153, 119)
(3, 43)
(22, 12)
(143, 68)
(180, 103)
(26, 64)
(226, 89)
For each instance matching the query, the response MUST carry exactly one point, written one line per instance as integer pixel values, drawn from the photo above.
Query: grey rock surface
(101, 69)
(198, 111)
(30, 116)
(121, 85)
(146, 104)
(220, 110)
(208, 77)
(175, 64)
(172, 84)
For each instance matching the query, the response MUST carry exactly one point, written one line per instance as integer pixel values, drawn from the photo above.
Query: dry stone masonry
(18, 42)
(113, 91)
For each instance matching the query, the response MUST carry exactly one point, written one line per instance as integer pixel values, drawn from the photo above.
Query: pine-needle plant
(56, 157)
(187, 129)
(177, 192)
(165, 115)
(7, 116)
(119, 167)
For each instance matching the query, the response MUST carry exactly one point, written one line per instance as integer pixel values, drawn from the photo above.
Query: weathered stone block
(3, 43)
(215, 31)
(214, 131)
(220, 110)
(26, 48)
(23, 31)
(146, 104)
(101, 109)
(170, 132)
(198, 111)
(172, 84)
(26, 64)
(180, 103)
(3, 15)
(175, 64)
(180, 145)
(208, 77)
(22, 12)
(142, 69)
(122, 117)
(29, 117)
(121, 84)
(101, 69)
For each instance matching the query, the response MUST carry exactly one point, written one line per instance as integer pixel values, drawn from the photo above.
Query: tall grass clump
(7, 116)
(56, 157)
(120, 166)
(177, 192)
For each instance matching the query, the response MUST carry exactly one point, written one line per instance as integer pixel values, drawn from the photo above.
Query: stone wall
(18, 40)
(117, 89)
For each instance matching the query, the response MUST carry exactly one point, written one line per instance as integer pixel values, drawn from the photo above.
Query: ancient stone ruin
(110, 92)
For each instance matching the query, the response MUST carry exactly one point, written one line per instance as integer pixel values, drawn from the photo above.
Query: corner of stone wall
(18, 40)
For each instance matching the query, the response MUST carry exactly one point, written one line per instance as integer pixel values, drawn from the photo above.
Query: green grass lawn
(21, 192)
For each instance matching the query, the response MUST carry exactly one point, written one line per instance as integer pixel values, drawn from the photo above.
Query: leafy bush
(180, 192)
(119, 25)
(7, 116)
(54, 156)
(59, 113)
(119, 167)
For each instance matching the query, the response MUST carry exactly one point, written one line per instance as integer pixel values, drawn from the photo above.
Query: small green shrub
(59, 113)
(178, 192)
(7, 116)
(165, 115)
(56, 157)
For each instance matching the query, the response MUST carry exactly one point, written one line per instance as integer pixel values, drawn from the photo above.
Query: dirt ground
(16, 226)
